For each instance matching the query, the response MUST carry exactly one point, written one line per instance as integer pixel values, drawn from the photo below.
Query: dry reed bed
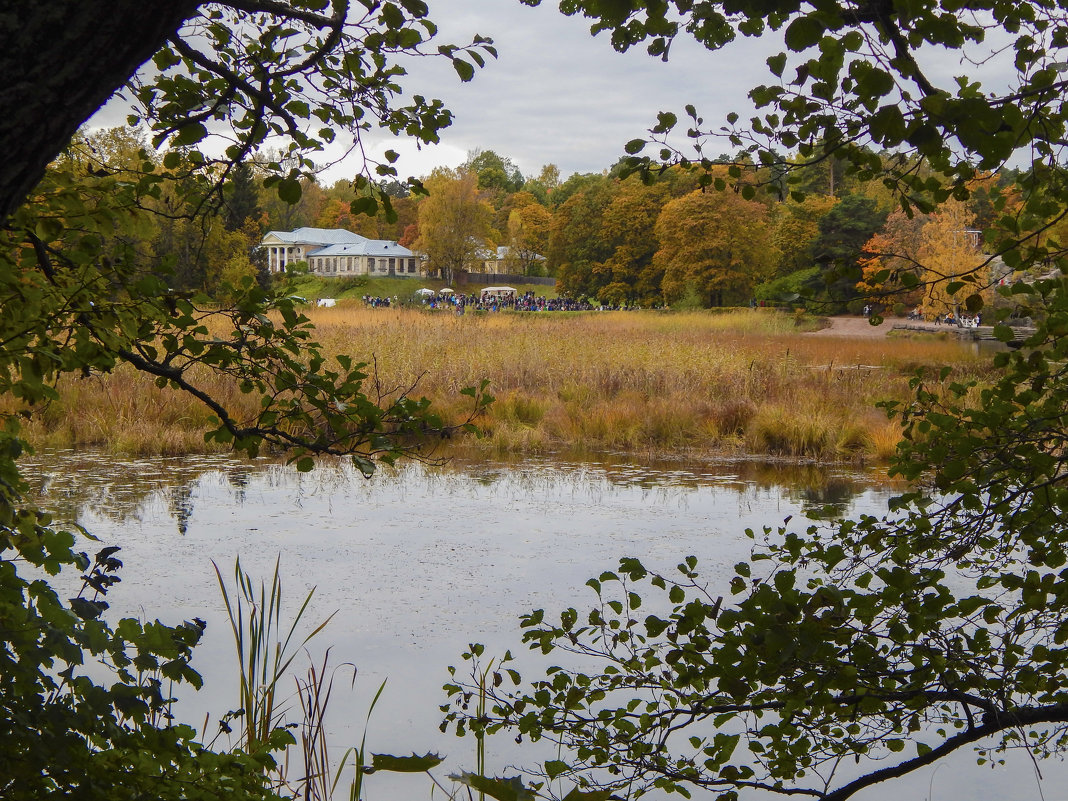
(697, 384)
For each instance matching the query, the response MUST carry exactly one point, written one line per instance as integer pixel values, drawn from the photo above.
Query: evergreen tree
(242, 200)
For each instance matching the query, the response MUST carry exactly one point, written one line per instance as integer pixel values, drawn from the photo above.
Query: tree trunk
(61, 60)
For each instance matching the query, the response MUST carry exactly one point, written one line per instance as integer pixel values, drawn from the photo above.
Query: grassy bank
(696, 384)
(355, 287)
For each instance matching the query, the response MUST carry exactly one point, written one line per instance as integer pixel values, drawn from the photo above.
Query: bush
(349, 282)
(787, 288)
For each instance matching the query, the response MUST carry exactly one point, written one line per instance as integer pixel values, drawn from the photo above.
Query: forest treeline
(652, 239)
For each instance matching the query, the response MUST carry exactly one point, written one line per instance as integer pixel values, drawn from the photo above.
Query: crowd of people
(376, 302)
(459, 303)
(961, 321)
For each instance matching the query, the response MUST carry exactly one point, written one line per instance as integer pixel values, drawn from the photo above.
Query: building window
(370, 265)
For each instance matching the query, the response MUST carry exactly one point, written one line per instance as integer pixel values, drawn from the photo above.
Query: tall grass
(697, 384)
(265, 648)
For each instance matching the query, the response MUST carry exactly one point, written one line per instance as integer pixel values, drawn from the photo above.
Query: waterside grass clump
(693, 384)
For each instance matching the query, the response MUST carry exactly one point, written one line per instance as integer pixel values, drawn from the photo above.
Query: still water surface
(420, 561)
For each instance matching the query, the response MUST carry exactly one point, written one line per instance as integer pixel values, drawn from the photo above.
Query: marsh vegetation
(693, 384)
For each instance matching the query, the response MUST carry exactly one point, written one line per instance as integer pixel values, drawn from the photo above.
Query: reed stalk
(265, 651)
(480, 733)
(321, 779)
(359, 754)
(318, 782)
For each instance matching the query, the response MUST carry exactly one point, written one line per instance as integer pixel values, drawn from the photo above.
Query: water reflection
(421, 561)
(118, 489)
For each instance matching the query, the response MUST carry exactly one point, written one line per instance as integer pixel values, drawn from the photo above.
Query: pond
(421, 560)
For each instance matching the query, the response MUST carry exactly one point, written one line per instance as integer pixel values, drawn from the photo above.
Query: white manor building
(337, 252)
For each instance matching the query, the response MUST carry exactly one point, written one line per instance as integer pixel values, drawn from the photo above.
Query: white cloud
(557, 95)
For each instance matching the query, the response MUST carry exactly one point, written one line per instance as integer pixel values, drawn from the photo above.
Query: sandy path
(854, 327)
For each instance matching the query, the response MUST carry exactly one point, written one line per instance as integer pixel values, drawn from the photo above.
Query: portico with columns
(335, 251)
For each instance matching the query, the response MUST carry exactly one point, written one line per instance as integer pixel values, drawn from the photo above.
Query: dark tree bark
(60, 61)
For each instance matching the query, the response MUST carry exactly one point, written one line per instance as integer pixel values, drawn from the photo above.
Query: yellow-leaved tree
(528, 233)
(949, 255)
(455, 223)
(715, 246)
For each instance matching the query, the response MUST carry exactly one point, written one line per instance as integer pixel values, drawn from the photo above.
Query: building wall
(402, 266)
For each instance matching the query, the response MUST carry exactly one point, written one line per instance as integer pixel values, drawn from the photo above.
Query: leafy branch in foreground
(75, 303)
(226, 80)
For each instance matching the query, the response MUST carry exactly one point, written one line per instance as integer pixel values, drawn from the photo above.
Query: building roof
(318, 236)
(369, 247)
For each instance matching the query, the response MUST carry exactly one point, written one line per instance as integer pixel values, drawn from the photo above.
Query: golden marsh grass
(691, 384)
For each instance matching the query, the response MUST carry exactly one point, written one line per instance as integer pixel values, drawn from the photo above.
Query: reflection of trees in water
(121, 488)
(238, 479)
(819, 483)
(829, 500)
(823, 491)
(181, 505)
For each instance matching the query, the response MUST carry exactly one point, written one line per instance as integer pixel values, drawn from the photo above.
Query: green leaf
(463, 69)
(1004, 333)
(189, 135)
(508, 789)
(48, 229)
(665, 121)
(555, 767)
(405, 764)
(803, 32)
(290, 191)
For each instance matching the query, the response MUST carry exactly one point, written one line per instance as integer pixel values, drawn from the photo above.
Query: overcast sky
(557, 95)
